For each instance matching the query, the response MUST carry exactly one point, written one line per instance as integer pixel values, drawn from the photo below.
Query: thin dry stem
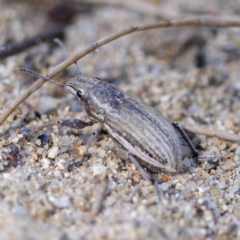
(197, 21)
(213, 133)
(99, 197)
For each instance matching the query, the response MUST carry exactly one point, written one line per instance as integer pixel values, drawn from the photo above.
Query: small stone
(81, 149)
(229, 166)
(228, 155)
(38, 142)
(165, 186)
(66, 175)
(213, 172)
(45, 163)
(233, 189)
(40, 150)
(186, 162)
(101, 153)
(141, 209)
(62, 202)
(61, 165)
(165, 178)
(81, 180)
(98, 169)
(222, 184)
(136, 177)
(192, 185)
(15, 140)
(57, 173)
(53, 152)
(179, 186)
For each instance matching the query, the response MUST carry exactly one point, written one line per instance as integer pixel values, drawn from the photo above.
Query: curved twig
(213, 133)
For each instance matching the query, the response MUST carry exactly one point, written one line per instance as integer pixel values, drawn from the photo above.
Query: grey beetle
(139, 129)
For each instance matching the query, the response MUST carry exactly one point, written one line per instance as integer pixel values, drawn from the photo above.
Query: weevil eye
(79, 93)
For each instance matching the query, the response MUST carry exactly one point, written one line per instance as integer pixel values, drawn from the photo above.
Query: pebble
(66, 175)
(45, 163)
(62, 202)
(179, 186)
(57, 173)
(229, 166)
(186, 162)
(98, 169)
(53, 152)
(165, 186)
(61, 164)
(101, 153)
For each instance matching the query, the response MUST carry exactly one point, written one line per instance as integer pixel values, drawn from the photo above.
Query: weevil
(143, 132)
(146, 136)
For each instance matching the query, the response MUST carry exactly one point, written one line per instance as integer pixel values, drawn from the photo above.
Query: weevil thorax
(98, 97)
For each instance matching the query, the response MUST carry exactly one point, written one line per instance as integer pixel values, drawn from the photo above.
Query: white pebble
(98, 169)
(57, 173)
(101, 153)
(45, 163)
(186, 162)
(66, 175)
(65, 141)
(179, 186)
(233, 189)
(38, 142)
(61, 166)
(165, 186)
(222, 184)
(192, 185)
(62, 202)
(15, 140)
(53, 152)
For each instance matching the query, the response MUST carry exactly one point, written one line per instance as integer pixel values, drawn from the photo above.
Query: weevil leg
(79, 161)
(146, 174)
(73, 123)
(194, 151)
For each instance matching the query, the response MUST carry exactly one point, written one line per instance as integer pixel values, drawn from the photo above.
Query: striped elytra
(136, 127)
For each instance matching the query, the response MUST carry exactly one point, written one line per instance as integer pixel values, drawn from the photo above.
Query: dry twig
(197, 21)
(100, 196)
(213, 133)
(17, 47)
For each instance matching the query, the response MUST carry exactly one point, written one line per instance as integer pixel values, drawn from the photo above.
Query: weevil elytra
(146, 136)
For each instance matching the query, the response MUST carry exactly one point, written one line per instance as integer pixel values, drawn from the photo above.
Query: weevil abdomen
(146, 134)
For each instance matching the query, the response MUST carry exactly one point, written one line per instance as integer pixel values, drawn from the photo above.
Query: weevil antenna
(61, 44)
(39, 75)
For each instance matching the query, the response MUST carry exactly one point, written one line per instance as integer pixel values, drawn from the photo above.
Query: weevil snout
(71, 89)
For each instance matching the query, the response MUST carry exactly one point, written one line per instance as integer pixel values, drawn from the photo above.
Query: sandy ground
(41, 199)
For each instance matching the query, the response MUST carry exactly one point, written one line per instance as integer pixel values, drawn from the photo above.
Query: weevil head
(80, 85)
